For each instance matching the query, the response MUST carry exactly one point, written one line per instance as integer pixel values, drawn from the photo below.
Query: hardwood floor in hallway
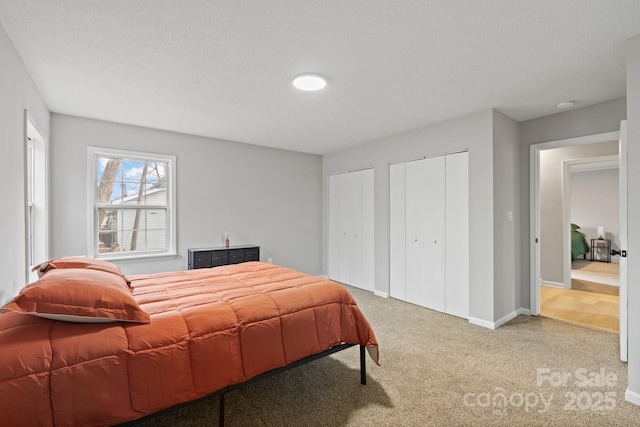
(591, 309)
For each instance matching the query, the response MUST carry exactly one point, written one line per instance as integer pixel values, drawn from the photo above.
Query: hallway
(593, 300)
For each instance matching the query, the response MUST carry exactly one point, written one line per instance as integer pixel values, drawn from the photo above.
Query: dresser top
(217, 248)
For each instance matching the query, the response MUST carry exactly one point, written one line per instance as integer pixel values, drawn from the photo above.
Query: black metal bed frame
(223, 391)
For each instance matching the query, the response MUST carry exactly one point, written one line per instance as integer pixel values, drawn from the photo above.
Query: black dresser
(214, 257)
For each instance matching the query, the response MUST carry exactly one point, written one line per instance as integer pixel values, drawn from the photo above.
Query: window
(30, 200)
(36, 212)
(131, 204)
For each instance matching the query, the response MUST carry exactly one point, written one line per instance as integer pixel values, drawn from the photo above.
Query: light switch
(509, 216)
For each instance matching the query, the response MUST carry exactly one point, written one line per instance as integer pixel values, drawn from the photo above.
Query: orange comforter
(209, 328)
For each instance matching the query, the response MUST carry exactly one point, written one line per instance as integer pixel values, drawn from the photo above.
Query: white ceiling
(223, 68)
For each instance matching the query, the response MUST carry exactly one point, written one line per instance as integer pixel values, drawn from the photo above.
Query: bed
(175, 337)
(579, 244)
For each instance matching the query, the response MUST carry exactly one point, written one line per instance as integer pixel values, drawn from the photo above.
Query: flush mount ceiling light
(565, 104)
(309, 82)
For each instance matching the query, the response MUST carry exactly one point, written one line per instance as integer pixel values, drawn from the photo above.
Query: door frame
(534, 204)
(624, 230)
(611, 161)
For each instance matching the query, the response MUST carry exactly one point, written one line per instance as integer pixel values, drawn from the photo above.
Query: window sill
(141, 257)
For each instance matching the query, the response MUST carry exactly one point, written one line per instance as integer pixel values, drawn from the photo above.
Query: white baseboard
(323, 276)
(504, 319)
(632, 397)
(552, 284)
(481, 322)
(381, 294)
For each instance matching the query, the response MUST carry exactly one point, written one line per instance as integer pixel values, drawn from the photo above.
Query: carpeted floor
(439, 370)
(605, 273)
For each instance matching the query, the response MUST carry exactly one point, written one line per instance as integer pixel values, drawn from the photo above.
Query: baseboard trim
(481, 322)
(632, 397)
(323, 276)
(552, 284)
(381, 294)
(504, 319)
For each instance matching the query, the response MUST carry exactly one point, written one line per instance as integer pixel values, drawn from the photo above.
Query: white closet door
(334, 227)
(354, 227)
(397, 240)
(425, 232)
(435, 239)
(368, 251)
(415, 229)
(351, 228)
(343, 249)
(457, 235)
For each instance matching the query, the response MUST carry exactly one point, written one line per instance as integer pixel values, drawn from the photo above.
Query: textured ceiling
(223, 69)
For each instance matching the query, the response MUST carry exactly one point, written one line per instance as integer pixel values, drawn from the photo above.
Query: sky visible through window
(129, 176)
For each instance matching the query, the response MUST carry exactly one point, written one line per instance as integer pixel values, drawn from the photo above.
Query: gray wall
(633, 209)
(592, 120)
(18, 94)
(474, 133)
(506, 245)
(551, 203)
(259, 195)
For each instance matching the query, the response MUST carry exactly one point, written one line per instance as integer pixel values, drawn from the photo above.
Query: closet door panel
(354, 228)
(397, 240)
(351, 228)
(457, 235)
(368, 243)
(435, 233)
(416, 254)
(334, 227)
(344, 221)
(425, 232)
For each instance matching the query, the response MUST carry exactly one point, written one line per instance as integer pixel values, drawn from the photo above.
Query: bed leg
(363, 367)
(222, 410)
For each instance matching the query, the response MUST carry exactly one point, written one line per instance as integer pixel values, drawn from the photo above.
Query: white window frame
(36, 196)
(31, 156)
(92, 218)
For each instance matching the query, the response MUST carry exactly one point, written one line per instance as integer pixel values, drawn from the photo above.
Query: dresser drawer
(219, 258)
(201, 259)
(252, 254)
(236, 256)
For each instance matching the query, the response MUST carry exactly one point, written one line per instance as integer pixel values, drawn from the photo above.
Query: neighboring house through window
(131, 212)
